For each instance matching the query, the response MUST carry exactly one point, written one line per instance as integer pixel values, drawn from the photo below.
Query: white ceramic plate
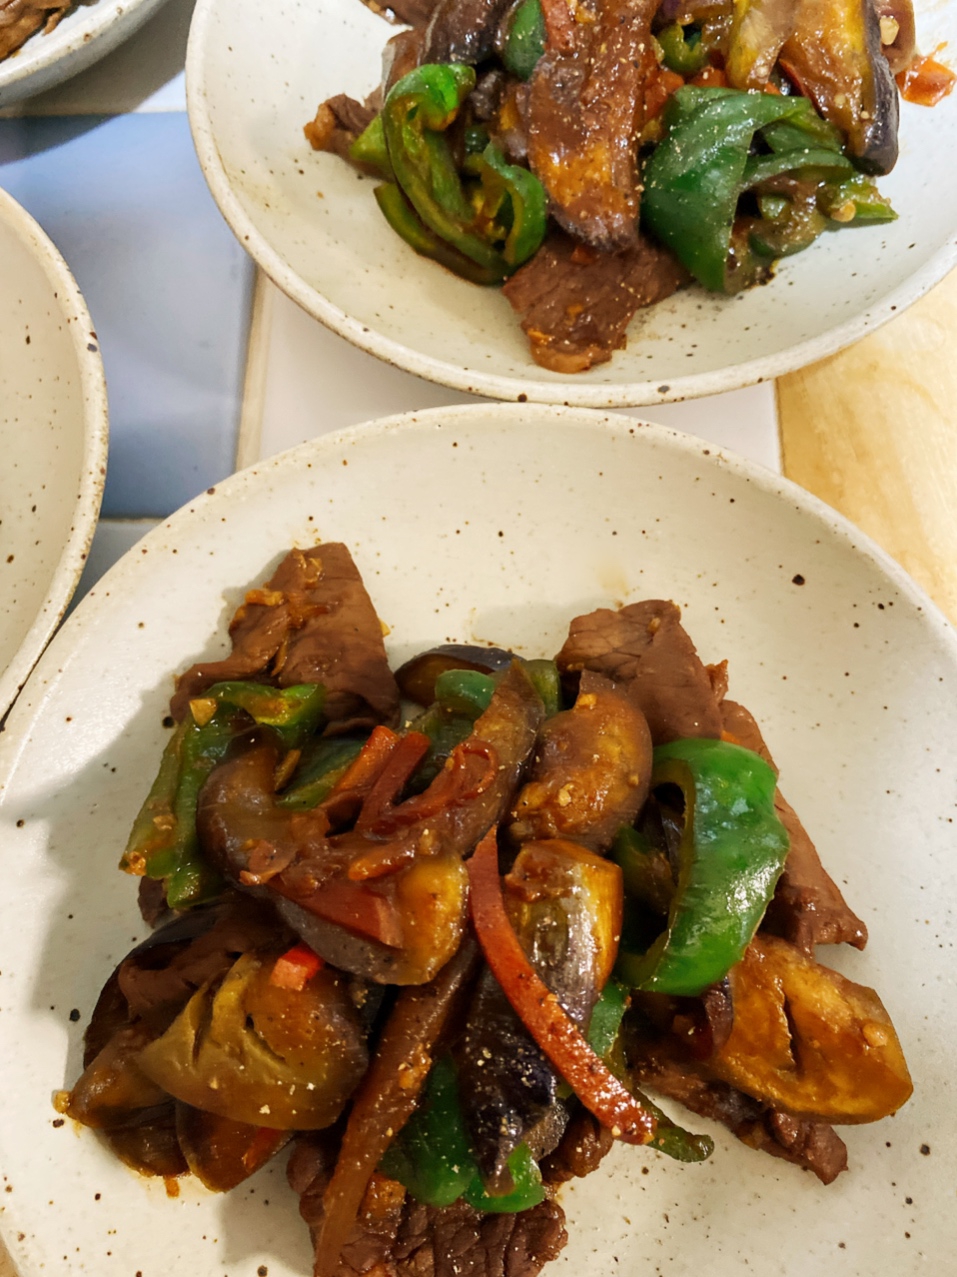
(86, 34)
(53, 439)
(501, 524)
(255, 75)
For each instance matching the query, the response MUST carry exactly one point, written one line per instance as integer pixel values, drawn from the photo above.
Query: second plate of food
(496, 525)
(255, 78)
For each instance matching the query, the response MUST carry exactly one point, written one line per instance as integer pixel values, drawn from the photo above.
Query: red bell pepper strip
(404, 757)
(296, 968)
(926, 82)
(539, 1009)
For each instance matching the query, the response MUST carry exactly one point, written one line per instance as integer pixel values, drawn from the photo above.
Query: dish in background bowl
(53, 438)
(851, 671)
(87, 33)
(255, 76)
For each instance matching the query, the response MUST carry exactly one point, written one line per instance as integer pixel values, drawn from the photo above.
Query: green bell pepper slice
(432, 1159)
(406, 223)
(682, 53)
(318, 773)
(370, 149)
(696, 175)
(163, 842)
(499, 220)
(545, 678)
(464, 692)
(525, 40)
(732, 853)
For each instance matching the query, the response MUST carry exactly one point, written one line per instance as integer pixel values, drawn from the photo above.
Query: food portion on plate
(443, 951)
(595, 157)
(20, 19)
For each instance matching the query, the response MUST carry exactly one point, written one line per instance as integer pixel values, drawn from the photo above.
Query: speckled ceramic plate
(485, 523)
(87, 33)
(53, 436)
(255, 75)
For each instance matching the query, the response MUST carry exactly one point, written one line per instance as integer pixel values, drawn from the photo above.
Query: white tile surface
(314, 382)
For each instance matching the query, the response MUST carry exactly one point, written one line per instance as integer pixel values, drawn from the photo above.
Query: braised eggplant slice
(759, 29)
(386, 901)
(222, 1152)
(591, 771)
(810, 1041)
(565, 904)
(259, 1053)
(835, 58)
(416, 678)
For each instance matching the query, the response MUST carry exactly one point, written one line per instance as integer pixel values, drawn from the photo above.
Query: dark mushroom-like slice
(416, 678)
(834, 56)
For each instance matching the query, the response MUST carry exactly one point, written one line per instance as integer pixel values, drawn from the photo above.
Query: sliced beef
(645, 648)
(576, 303)
(807, 908)
(337, 124)
(20, 19)
(582, 1149)
(398, 1237)
(312, 622)
(414, 12)
(463, 30)
(586, 103)
(806, 1142)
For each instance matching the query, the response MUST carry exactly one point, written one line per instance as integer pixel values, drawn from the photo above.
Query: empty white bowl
(255, 75)
(53, 441)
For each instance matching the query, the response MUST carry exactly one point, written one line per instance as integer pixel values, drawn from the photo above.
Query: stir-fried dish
(445, 954)
(596, 155)
(20, 19)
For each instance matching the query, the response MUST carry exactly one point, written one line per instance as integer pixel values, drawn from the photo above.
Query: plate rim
(50, 61)
(568, 392)
(137, 559)
(86, 508)
(58, 656)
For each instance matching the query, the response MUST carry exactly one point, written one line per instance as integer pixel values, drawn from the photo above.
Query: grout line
(249, 439)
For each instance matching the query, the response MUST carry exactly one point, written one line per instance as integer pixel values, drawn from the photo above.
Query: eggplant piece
(759, 29)
(259, 1053)
(834, 57)
(591, 772)
(222, 1152)
(898, 33)
(565, 904)
(387, 902)
(506, 1084)
(809, 1041)
(416, 678)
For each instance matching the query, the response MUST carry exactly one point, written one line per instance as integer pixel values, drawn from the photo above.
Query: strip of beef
(808, 907)
(337, 124)
(576, 303)
(20, 19)
(644, 647)
(312, 622)
(397, 1236)
(416, 13)
(583, 1146)
(806, 1142)
(463, 30)
(586, 105)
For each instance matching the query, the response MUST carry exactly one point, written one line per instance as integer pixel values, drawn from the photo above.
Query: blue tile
(168, 286)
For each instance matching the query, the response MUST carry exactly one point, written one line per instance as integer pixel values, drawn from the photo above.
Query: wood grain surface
(873, 432)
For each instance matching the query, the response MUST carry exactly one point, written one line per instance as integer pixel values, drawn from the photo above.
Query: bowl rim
(83, 37)
(537, 416)
(569, 391)
(92, 477)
